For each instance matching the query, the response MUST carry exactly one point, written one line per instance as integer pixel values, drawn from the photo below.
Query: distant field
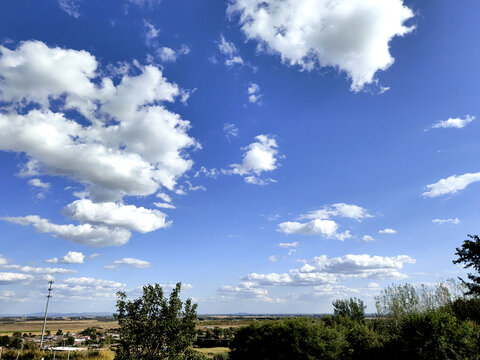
(7, 327)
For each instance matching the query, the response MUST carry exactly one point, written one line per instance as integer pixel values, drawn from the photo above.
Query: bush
(291, 339)
(466, 309)
(436, 335)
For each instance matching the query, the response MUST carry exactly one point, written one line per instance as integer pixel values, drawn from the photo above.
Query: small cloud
(451, 184)
(455, 221)
(136, 263)
(164, 197)
(254, 93)
(273, 258)
(72, 257)
(457, 123)
(260, 156)
(151, 32)
(230, 51)
(367, 238)
(93, 256)
(387, 231)
(164, 205)
(211, 173)
(230, 130)
(70, 7)
(166, 54)
(288, 245)
(39, 184)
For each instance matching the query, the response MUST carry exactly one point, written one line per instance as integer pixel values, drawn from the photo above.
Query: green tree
(397, 301)
(155, 327)
(289, 339)
(469, 255)
(352, 308)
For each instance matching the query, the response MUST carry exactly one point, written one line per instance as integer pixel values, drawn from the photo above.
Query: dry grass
(7, 327)
(104, 355)
(212, 351)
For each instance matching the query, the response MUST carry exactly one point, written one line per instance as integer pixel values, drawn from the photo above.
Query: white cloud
(9, 277)
(321, 224)
(230, 130)
(93, 256)
(455, 221)
(211, 173)
(260, 156)
(273, 258)
(164, 205)
(72, 257)
(10, 296)
(230, 51)
(116, 215)
(195, 187)
(253, 93)
(288, 245)
(136, 263)
(39, 183)
(351, 36)
(367, 238)
(387, 231)
(143, 150)
(85, 288)
(86, 234)
(167, 54)
(150, 33)
(451, 185)
(142, 3)
(245, 290)
(70, 7)
(323, 270)
(3, 260)
(327, 228)
(40, 270)
(350, 211)
(93, 282)
(164, 197)
(457, 123)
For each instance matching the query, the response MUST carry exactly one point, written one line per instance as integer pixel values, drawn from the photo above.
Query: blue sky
(271, 156)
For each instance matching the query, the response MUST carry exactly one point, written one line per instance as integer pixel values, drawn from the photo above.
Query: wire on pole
(50, 288)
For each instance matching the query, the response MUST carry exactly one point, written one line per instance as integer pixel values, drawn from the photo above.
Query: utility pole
(50, 288)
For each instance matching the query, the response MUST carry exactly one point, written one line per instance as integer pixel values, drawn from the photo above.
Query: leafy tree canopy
(155, 327)
(469, 255)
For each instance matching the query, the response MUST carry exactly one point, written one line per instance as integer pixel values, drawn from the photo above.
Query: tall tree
(155, 327)
(353, 308)
(469, 255)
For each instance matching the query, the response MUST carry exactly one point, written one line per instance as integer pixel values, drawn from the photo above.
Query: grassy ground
(212, 351)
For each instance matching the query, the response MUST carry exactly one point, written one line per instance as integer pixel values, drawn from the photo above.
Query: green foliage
(290, 339)
(362, 343)
(398, 301)
(4, 341)
(352, 308)
(155, 327)
(191, 354)
(221, 356)
(466, 309)
(91, 331)
(435, 335)
(469, 255)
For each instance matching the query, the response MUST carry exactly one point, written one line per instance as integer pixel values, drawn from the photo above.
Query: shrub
(291, 339)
